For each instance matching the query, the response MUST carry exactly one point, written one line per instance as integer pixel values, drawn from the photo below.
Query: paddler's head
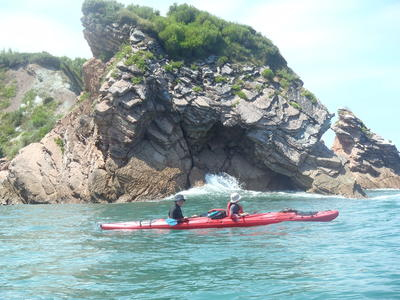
(235, 198)
(180, 199)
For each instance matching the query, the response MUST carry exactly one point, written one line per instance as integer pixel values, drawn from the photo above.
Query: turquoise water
(58, 251)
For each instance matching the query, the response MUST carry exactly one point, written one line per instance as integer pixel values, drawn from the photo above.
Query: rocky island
(166, 107)
(373, 161)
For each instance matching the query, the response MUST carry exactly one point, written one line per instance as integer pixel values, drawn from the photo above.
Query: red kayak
(246, 221)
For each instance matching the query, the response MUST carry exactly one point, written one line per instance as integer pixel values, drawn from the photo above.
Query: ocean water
(59, 252)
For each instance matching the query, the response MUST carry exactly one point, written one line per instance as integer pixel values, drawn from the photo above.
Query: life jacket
(228, 209)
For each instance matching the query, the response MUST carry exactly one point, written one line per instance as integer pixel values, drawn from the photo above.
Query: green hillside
(189, 33)
(31, 121)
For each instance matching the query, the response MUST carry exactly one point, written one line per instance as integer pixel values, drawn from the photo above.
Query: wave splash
(221, 183)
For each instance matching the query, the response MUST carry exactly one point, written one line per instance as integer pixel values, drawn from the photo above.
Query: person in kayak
(234, 210)
(176, 212)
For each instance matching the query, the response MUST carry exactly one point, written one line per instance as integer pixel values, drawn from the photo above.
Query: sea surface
(59, 252)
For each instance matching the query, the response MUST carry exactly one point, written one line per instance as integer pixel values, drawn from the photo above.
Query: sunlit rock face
(373, 161)
(152, 129)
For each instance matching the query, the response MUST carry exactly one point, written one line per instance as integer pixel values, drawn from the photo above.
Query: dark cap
(179, 197)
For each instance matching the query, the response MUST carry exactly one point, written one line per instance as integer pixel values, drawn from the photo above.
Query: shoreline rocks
(373, 161)
(147, 133)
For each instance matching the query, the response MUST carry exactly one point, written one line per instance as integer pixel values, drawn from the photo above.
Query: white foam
(215, 184)
(223, 184)
(383, 197)
(382, 190)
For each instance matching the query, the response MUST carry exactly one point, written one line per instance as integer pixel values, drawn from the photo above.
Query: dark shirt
(234, 209)
(175, 212)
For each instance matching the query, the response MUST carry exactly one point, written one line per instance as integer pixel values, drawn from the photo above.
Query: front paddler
(176, 212)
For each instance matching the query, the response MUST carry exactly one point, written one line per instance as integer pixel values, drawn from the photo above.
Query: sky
(347, 52)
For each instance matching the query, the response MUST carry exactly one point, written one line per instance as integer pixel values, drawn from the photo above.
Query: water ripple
(58, 252)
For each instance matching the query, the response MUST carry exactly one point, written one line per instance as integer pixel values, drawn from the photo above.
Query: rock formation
(374, 161)
(159, 128)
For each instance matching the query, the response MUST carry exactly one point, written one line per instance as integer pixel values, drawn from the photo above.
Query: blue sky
(346, 51)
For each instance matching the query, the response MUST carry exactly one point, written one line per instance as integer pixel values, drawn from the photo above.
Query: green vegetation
(268, 74)
(189, 33)
(124, 51)
(220, 79)
(236, 87)
(60, 143)
(8, 90)
(105, 11)
(285, 84)
(115, 74)
(222, 60)
(241, 94)
(286, 77)
(366, 130)
(137, 80)
(139, 59)
(71, 67)
(30, 123)
(295, 105)
(197, 89)
(173, 65)
(83, 97)
(11, 59)
(310, 96)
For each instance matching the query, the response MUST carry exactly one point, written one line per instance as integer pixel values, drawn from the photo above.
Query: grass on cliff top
(29, 124)
(189, 33)
(71, 67)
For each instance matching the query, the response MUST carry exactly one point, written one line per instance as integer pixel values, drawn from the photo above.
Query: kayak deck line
(258, 219)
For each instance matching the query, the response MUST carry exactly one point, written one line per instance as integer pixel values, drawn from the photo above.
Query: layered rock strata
(374, 161)
(158, 129)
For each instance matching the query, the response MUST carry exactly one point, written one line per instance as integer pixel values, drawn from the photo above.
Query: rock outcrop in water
(374, 161)
(158, 129)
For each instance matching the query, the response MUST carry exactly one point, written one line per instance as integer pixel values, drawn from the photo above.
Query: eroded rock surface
(157, 130)
(374, 161)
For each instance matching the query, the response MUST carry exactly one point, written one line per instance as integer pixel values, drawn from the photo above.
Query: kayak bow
(246, 221)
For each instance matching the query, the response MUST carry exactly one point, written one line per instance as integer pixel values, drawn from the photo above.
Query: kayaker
(176, 212)
(234, 210)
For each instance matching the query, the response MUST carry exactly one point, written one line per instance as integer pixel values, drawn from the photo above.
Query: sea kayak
(246, 221)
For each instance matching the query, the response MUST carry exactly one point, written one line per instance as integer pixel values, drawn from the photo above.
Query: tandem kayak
(246, 221)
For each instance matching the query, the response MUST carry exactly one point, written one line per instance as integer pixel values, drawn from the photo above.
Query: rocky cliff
(374, 161)
(154, 127)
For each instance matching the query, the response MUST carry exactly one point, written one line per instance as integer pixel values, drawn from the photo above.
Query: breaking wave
(223, 184)
(216, 184)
